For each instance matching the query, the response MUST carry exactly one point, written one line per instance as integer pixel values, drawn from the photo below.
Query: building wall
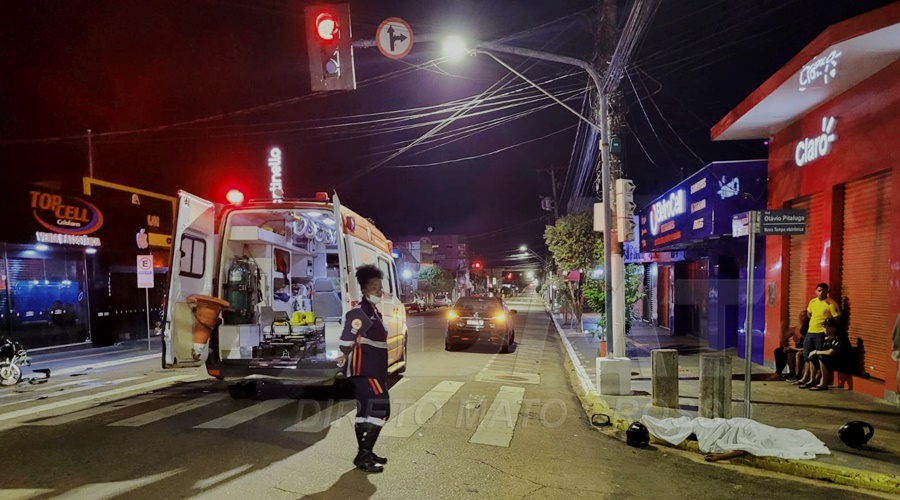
(868, 120)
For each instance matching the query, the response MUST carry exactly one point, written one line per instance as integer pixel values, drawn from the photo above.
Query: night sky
(190, 94)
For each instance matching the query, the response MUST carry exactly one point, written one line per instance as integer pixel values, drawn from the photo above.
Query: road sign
(782, 222)
(394, 38)
(740, 224)
(145, 271)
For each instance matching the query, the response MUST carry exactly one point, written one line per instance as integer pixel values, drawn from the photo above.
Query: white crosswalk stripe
(245, 415)
(98, 410)
(44, 388)
(66, 392)
(408, 422)
(24, 412)
(156, 415)
(499, 423)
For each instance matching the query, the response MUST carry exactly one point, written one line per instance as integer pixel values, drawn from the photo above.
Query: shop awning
(844, 55)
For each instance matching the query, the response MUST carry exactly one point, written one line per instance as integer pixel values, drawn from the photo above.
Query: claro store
(832, 118)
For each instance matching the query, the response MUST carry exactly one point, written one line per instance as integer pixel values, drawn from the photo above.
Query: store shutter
(653, 286)
(805, 257)
(26, 276)
(864, 267)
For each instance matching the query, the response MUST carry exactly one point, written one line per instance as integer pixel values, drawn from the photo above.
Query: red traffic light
(509, 276)
(477, 265)
(234, 197)
(326, 26)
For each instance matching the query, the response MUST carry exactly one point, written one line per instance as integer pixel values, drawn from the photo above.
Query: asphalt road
(466, 424)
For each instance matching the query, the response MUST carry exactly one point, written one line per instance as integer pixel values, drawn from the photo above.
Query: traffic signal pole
(615, 342)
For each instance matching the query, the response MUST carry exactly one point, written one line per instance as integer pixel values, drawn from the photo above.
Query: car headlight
(452, 315)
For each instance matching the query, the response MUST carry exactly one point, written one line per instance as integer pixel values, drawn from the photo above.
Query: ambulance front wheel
(242, 390)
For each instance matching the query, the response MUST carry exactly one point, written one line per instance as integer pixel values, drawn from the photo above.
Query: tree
(595, 294)
(433, 279)
(575, 246)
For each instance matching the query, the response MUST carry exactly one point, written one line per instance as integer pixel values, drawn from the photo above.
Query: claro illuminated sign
(824, 67)
(276, 187)
(663, 210)
(64, 215)
(813, 148)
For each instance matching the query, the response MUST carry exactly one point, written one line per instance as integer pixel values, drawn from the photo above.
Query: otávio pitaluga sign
(782, 222)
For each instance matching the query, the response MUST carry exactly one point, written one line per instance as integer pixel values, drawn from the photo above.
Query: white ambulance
(284, 271)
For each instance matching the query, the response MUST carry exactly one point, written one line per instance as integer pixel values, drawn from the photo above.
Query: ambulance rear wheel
(242, 390)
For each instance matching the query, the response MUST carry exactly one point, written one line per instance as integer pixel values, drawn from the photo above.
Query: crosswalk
(152, 403)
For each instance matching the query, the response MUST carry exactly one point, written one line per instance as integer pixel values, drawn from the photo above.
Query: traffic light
(477, 265)
(624, 210)
(328, 44)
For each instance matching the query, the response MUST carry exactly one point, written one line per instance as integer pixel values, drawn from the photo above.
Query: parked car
(415, 304)
(441, 301)
(480, 318)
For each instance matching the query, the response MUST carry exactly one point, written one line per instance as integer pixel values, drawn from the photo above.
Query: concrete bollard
(715, 386)
(614, 376)
(665, 377)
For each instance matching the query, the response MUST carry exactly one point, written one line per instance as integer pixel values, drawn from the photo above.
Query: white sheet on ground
(720, 435)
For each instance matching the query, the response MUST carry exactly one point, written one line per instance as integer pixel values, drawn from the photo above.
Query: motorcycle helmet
(856, 434)
(637, 435)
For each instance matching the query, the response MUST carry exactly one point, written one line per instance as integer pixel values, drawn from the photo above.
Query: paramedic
(365, 362)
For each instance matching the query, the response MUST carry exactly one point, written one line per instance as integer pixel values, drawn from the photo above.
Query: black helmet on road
(856, 434)
(637, 435)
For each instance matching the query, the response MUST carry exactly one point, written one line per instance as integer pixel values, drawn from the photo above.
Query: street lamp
(603, 127)
(455, 48)
(407, 274)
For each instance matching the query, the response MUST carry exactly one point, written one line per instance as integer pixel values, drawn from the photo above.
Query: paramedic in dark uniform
(365, 362)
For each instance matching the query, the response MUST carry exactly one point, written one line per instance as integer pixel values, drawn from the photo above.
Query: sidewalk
(774, 403)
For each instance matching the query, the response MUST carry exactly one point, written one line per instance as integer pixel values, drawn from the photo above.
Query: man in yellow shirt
(819, 309)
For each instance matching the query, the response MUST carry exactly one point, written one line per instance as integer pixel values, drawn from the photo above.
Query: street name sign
(394, 38)
(782, 222)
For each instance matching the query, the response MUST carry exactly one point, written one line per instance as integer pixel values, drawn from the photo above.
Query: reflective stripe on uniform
(347, 343)
(373, 343)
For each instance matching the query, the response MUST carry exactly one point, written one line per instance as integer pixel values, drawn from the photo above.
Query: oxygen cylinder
(241, 290)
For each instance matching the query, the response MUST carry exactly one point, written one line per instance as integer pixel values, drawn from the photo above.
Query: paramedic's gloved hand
(341, 360)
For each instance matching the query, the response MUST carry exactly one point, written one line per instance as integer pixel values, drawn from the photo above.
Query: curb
(593, 405)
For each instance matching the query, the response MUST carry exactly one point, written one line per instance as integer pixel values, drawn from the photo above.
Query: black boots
(366, 459)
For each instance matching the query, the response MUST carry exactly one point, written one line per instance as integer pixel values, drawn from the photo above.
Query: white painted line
(587, 386)
(23, 493)
(245, 415)
(218, 478)
(74, 401)
(322, 418)
(47, 387)
(498, 425)
(504, 377)
(100, 410)
(408, 422)
(74, 391)
(104, 364)
(156, 415)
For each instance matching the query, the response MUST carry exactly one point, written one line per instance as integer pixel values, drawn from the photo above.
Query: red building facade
(832, 118)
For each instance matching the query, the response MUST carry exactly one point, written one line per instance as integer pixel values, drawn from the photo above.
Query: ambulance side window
(387, 284)
(193, 257)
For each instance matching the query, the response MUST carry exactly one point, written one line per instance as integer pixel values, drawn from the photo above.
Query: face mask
(374, 299)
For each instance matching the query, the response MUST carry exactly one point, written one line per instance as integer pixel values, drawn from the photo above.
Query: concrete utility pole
(614, 273)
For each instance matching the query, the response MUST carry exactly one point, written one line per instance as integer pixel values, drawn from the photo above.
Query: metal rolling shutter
(805, 269)
(865, 266)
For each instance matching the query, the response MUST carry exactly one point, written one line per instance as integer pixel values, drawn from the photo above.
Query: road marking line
(410, 419)
(104, 364)
(73, 391)
(323, 418)
(91, 355)
(69, 402)
(245, 414)
(496, 429)
(101, 409)
(168, 411)
(49, 387)
(218, 478)
(23, 493)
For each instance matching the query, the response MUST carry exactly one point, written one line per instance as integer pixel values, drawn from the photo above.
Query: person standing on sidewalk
(820, 308)
(365, 362)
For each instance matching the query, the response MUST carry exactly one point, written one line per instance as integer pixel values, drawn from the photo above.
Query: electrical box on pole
(328, 45)
(625, 210)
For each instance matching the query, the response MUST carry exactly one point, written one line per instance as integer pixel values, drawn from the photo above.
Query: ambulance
(258, 290)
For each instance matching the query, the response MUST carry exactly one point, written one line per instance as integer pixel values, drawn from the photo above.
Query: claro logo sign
(813, 148)
(65, 215)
